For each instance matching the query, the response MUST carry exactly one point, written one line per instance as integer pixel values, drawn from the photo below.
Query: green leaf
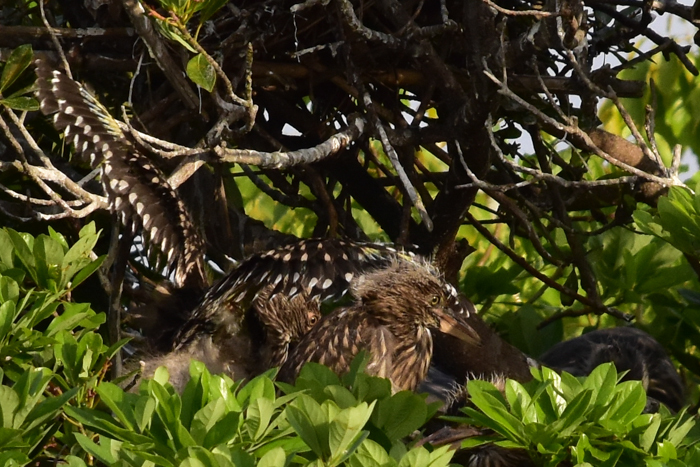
(106, 425)
(260, 386)
(574, 413)
(201, 72)
(489, 400)
(17, 62)
(341, 396)
(678, 432)
(210, 7)
(259, 414)
(87, 271)
(631, 400)
(520, 402)
(78, 256)
(73, 314)
(120, 403)
(9, 290)
(6, 248)
(346, 428)
(400, 415)
(9, 404)
(8, 312)
(307, 419)
(273, 458)
(104, 454)
(370, 454)
(602, 381)
(646, 439)
(23, 253)
(47, 408)
(21, 103)
(75, 461)
(666, 450)
(223, 431)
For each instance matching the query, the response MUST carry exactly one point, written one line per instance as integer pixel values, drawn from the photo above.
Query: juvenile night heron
(274, 325)
(249, 321)
(396, 310)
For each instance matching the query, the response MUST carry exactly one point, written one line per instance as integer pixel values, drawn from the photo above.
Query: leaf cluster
(596, 420)
(51, 351)
(320, 421)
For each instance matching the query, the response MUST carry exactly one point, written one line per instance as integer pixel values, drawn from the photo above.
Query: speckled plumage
(320, 268)
(274, 325)
(395, 310)
(285, 321)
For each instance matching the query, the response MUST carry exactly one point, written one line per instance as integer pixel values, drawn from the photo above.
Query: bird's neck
(411, 358)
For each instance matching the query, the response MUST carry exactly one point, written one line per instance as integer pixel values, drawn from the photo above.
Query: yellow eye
(313, 319)
(435, 300)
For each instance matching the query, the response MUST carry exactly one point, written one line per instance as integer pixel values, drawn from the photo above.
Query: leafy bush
(51, 352)
(588, 421)
(56, 405)
(218, 422)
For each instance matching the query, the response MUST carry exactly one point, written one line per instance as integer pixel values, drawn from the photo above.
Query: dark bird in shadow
(631, 350)
(396, 310)
(274, 325)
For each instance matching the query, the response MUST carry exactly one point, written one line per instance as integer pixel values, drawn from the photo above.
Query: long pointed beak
(457, 328)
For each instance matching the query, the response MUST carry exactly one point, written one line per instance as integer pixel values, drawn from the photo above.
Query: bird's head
(413, 294)
(287, 318)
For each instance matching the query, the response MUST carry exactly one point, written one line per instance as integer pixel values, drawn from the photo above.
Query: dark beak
(456, 327)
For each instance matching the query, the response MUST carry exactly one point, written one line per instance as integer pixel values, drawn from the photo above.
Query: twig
(160, 53)
(394, 158)
(522, 262)
(347, 11)
(54, 39)
(278, 160)
(535, 13)
(570, 128)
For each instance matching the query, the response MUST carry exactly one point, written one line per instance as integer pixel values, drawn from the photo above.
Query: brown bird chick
(395, 311)
(284, 321)
(275, 325)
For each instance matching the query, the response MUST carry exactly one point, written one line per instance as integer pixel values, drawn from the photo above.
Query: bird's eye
(313, 319)
(435, 300)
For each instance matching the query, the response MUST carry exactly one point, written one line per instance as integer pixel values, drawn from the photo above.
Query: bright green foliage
(55, 405)
(199, 70)
(587, 421)
(677, 104)
(677, 220)
(50, 351)
(321, 421)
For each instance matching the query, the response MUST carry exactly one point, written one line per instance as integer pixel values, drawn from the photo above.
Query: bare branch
(278, 160)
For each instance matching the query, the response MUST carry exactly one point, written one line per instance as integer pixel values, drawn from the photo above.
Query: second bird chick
(275, 324)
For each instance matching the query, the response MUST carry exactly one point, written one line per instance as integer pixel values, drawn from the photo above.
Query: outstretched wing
(136, 188)
(321, 268)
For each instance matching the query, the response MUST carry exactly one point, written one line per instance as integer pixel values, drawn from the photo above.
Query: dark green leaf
(201, 72)
(307, 419)
(400, 415)
(21, 103)
(17, 62)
